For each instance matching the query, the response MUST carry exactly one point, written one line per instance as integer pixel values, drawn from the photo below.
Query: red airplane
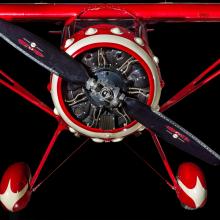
(105, 84)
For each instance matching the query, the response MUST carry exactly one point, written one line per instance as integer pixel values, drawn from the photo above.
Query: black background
(107, 181)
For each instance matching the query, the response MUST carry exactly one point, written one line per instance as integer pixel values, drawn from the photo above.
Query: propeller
(170, 131)
(43, 53)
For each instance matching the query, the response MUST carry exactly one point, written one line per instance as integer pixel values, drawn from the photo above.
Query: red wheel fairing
(192, 191)
(14, 188)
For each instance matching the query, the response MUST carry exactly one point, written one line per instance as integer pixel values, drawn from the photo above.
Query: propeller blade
(170, 131)
(43, 53)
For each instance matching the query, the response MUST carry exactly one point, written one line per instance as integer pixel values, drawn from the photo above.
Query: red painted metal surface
(61, 127)
(164, 160)
(210, 73)
(162, 11)
(8, 82)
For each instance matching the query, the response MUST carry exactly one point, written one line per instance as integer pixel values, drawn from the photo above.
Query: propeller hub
(106, 89)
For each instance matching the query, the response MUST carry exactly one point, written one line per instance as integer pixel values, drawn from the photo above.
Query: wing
(148, 12)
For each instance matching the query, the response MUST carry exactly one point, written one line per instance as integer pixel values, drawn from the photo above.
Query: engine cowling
(120, 63)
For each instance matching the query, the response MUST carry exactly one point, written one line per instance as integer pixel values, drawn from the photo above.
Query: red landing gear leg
(189, 184)
(15, 187)
(61, 126)
(16, 184)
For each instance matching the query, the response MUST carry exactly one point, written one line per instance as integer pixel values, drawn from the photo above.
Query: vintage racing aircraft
(105, 84)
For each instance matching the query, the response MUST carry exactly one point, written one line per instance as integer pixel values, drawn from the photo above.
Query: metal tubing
(61, 126)
(24, 93)
(164, 159)
(193, 86)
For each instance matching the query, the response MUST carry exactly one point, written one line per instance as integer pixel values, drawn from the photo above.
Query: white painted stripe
(9, 198)
(198, 193)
